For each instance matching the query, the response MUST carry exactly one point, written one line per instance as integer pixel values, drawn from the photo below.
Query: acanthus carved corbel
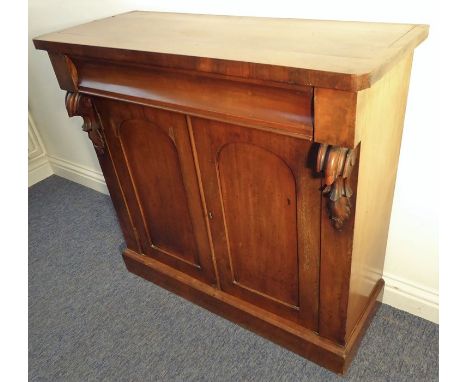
(337, 163)
(81, 105)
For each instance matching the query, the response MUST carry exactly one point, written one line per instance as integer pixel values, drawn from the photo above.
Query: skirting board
(39, 166)
(38, 169)
(79, 174)
(399, 293)
(410, 297)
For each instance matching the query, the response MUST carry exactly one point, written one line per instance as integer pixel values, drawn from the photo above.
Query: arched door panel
(264, 205)
(153, 156)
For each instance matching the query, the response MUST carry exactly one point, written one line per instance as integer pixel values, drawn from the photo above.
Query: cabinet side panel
(379, 124)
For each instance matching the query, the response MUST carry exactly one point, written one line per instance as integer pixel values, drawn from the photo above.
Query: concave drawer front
(152, 153)
(264, 208)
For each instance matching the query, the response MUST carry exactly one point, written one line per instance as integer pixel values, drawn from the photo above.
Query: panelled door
(152, 154)
(264, 209)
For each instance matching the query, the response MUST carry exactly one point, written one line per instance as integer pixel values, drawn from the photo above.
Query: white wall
(411, 268)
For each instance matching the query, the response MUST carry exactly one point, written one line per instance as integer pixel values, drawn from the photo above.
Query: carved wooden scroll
(81, 105)
(337, 164)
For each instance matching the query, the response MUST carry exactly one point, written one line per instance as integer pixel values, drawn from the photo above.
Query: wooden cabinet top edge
(342, 55)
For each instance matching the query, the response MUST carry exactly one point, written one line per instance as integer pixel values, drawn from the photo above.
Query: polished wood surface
(335, 262)
(334, 54)
(265, 209)
(380, 116)
(264, 107)
(256, 181)
(335, 117)
(153, 155)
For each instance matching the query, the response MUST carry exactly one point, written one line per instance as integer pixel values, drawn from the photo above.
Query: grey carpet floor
(91, 320)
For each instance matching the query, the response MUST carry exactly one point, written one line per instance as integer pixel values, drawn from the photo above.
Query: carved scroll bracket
(337, 164)
(81, 105)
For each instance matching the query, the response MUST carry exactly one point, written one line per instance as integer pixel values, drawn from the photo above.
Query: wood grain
(265, 210)
(154, 160)
(228, 143)
(335, 267)
(65, 71)
(331, 54)
(269, 225)
(335, 117)
(379, 121)
(284, 110)
(154, 164)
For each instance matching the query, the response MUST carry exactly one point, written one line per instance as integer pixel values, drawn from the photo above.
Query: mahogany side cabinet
(251, 161)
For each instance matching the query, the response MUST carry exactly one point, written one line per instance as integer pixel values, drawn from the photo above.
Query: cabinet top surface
(338, 54)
